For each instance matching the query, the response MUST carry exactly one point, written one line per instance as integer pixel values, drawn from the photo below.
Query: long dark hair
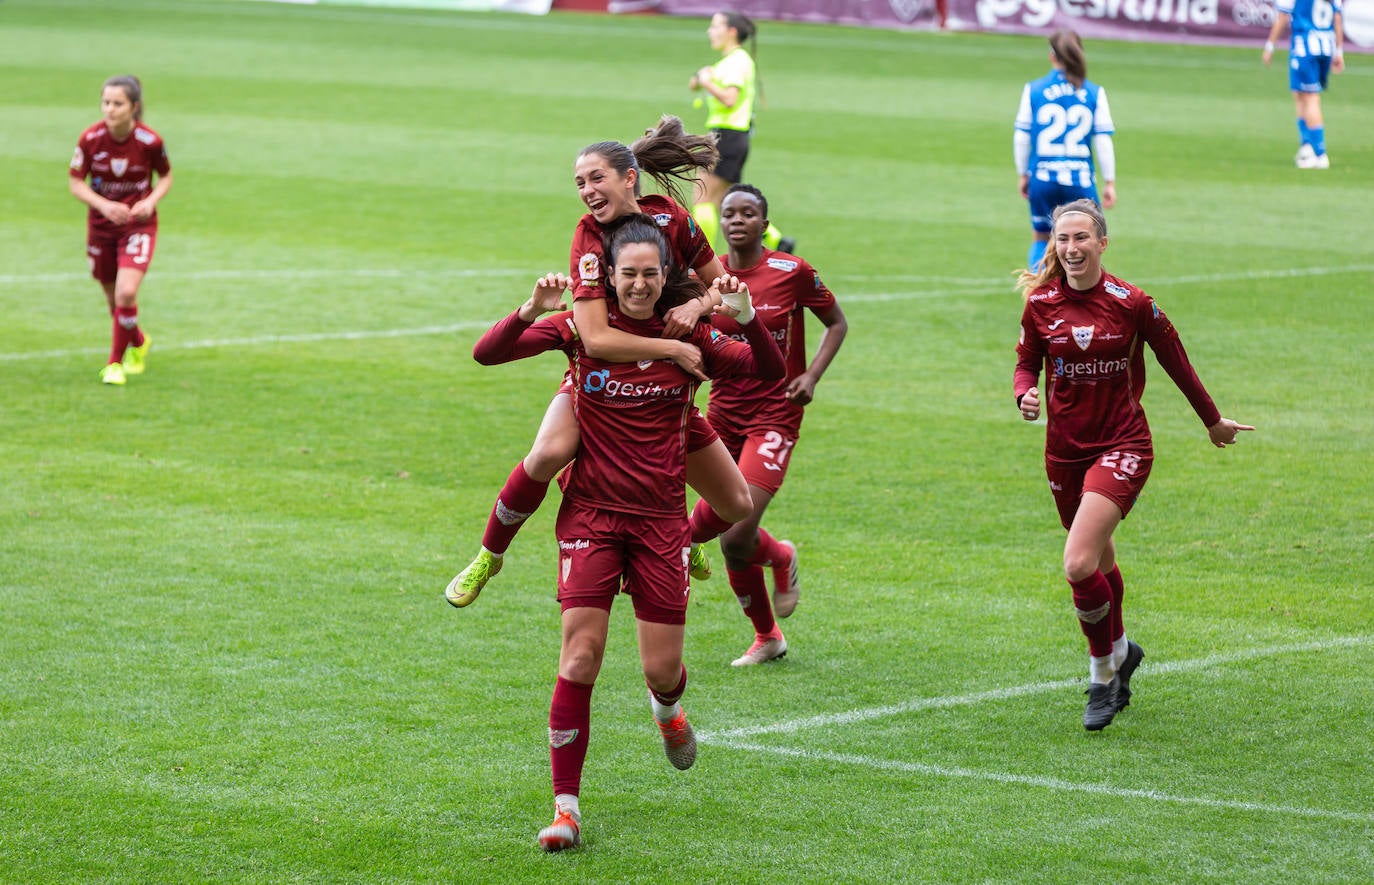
(1067, 47)
(748, 33)
(679, 286)
(667, 153)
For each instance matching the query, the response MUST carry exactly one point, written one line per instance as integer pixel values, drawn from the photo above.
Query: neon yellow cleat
(136, 358)
(463, 589)
(112, 374)
(698, 565)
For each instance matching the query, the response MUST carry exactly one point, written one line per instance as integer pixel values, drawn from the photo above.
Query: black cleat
(788, 245)
(1134, 655)
(1101, 705)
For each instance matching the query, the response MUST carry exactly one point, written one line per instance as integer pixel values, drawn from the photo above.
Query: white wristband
(1268, 45)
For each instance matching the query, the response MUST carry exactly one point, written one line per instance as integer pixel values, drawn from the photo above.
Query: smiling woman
(122, 157)
(607, 176)
(1085, 326)
(622, 527)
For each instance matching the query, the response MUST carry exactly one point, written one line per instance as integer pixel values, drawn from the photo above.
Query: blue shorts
(1046, 195)
(1308, 73)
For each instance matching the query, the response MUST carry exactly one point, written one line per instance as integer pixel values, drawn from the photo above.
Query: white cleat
(764, 649)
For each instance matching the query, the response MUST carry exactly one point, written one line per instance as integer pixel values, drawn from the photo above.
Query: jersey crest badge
(1083, 336)
(1119, 291)
(782, 264)
(119, 165)
(589, 269)
(662, 219)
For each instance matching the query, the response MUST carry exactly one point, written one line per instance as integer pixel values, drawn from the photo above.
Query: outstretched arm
(518, 336)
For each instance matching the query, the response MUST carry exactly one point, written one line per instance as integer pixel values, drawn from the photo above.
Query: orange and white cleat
(565, 832)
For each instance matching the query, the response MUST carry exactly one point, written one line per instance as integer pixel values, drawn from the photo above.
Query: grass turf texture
(225, 651)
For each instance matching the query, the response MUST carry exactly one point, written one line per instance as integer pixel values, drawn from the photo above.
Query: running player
(760, 420)
(622, 526)
(1314, 52)
(1063, 121)
(607, 175)
(731, 86)
(122, 157)
(1085, 328)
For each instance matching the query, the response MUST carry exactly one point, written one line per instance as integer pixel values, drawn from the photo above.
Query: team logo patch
(782, 264)
(662, 219)
(589, 268)
(78, 158)
(1118, 291)
(119, 165)
(561, 737)
(1083, 336)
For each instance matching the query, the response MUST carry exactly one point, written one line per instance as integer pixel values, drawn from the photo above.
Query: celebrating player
(1085, 327)
(623, 517)
(731, 85)
(607, 175)
(760, 420)
(1314, 52)
(121, 156)
(1063, 121)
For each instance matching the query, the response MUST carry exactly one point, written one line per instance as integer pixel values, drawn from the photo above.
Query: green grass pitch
(225, 656)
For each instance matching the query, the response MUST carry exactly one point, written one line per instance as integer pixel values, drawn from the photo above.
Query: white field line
(1149, 667)
(1048, 783)
(962, 289)
(731, 738)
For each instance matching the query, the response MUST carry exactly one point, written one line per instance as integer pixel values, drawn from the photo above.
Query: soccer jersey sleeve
(1023, 113)
(1029, 356)
(1102, 116)
(1163, 339)
(515, 339)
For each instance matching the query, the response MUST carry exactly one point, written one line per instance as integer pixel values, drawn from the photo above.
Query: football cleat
(112, 374)
(136, 358)
(679, 741)
(564, 832)
(766, 647)
(698, 563)
(786, 584)
(1134, 654)
(1101, 705)
(463, 589)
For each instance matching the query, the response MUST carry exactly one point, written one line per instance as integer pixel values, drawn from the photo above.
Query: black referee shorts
(734, 150)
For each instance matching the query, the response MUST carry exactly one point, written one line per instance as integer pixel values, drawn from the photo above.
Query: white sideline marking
(963, 289)
(729, 738)
(1050, 783)
(997, 694)
(258, 340)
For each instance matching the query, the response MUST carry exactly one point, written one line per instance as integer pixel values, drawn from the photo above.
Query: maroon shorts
(700, 433)
(132, 246)
(763, 455)
(1119, 476)
(604, 552)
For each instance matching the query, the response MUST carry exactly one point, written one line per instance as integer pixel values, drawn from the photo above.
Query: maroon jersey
(119, 170)
(587, 262)
(1089, 344)
(633, 417)
(780, 287)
